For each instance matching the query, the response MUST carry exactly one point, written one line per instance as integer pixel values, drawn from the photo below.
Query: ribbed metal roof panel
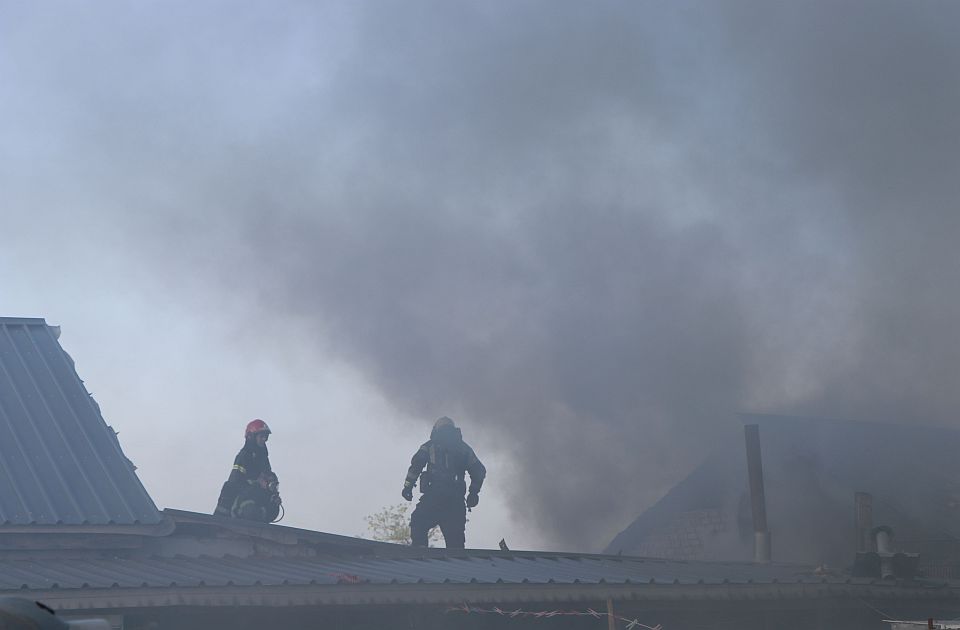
(298, 571)
(60, 464)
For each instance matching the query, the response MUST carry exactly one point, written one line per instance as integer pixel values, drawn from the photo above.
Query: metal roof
(440, 578)
(294, 567)
(464, 568)
(60, 464)
(183, 519)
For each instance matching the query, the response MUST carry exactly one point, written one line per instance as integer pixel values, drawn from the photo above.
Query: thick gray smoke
(589, 231)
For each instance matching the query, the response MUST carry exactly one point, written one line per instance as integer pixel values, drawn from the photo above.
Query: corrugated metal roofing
(60, 464)
(205, 571)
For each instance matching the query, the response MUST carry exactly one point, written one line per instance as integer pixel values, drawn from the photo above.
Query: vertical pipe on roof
(758, 503)
(883, 537)
(863, 520)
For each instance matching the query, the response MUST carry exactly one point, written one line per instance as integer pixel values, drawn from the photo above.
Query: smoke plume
(589, 232)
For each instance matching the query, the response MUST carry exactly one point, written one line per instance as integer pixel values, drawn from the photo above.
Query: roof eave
(455, 594)
(277, 533)
(164, 527)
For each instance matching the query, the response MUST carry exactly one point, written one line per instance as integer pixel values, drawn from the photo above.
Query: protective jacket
(247, 466)
(256, 503)
(446, 458)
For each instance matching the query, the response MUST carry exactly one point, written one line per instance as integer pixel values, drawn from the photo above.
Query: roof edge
(270, 531)
(456, 594)
(23, 320)
(285, 534)
(163, 528)
(769, 418)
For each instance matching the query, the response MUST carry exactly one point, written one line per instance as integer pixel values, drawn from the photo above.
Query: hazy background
(587, 231)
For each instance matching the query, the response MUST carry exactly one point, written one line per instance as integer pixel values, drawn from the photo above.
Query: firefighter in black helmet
(252, 460)
(447, 458)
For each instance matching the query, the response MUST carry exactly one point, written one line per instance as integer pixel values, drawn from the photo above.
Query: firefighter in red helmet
(252, 460)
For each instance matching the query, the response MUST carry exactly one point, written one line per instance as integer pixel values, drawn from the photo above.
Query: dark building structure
(79, 532)
(812, 471)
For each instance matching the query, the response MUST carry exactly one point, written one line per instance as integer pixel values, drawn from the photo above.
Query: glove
(407, 493)
(472, 499)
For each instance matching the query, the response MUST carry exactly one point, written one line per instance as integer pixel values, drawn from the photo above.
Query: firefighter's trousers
(447, 511)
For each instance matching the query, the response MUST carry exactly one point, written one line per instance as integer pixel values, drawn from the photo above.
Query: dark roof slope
(60, 464)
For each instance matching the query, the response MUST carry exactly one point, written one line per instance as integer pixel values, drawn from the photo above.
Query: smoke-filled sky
(590, 232)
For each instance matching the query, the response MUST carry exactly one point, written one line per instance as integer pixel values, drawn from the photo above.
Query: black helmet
(443, 421)
(446, 432)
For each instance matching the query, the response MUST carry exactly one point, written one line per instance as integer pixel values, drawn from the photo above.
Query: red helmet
(256, 426)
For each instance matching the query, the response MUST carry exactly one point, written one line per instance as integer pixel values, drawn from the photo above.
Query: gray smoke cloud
(590, 232)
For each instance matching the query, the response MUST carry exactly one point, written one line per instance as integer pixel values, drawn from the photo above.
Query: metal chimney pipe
(863, 520)
(758, 503)
(884, 536)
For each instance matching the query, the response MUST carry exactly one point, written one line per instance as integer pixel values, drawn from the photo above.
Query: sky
(591, 233)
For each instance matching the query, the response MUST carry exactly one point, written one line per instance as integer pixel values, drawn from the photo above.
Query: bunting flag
(632, 624)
